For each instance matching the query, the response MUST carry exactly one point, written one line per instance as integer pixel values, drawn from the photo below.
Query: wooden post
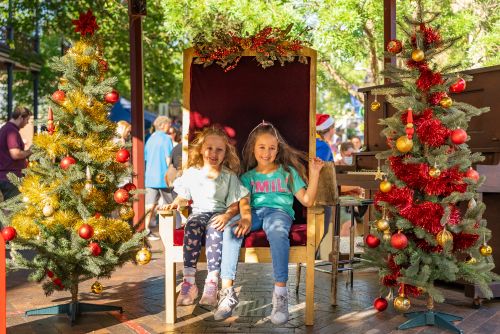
(137, 9)
(389, 29)
(3, 292)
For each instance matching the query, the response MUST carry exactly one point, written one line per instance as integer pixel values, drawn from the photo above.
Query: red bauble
(112, 97)
(121, 196)
(95, 249)
(458, 136)
(9, 233)
(458, 86)
(97, 215)
(380, 304)
(472, 174)
(50, 273)
(58, 96)
(399, 241)
(372, 241)
(122, 155)
(394, 46)
(129, 187)
(66, 162)
(86, 231)
(57, 281)
(103, 64)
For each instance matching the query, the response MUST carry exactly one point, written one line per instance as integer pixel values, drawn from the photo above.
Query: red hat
(323, 122)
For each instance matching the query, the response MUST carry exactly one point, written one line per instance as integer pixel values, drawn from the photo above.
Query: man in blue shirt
(157, 153)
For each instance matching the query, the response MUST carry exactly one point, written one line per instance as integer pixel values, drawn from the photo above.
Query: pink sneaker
(209, 296)
(189, 292)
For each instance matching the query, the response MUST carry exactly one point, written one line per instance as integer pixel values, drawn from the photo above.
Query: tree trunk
(368, 29)
(342, 81)
(74, 288)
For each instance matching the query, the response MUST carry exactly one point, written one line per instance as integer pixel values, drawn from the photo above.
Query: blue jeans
(276, 224)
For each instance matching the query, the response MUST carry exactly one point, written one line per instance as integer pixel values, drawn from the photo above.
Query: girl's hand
(170, 207)
(316, 165)
(242, 227)
(219, 222)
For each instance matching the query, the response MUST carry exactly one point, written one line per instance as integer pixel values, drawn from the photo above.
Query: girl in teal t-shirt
(274, 175)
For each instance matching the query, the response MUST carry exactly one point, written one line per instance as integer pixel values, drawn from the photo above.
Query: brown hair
(21, 111)
(322, 133)
(287, 156)
(231, 160)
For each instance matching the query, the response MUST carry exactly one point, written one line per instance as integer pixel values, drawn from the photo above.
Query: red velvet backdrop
(244, 96)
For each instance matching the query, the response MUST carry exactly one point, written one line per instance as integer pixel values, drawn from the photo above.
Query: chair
(239, 100)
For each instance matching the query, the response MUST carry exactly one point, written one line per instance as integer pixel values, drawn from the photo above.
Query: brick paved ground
(140, 291)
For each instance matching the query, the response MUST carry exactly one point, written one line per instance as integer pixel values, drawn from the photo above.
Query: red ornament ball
(66, 162)
(58, 96)
(458, 136)
(380, 304)
(458, 86)
(97, 215)
(399, 241)
(9, 233)
(394, 46)
(129, 187)
(121, 196)
(122, 155)
(95, 249)
(472, 174)
(372, 241)
(112, 97)
(50, 273)
(86, 231)
(103, 64)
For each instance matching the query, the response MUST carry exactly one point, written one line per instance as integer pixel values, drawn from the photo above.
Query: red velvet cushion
(298, 237)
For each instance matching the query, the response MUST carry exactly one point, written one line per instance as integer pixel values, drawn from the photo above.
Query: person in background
(325, 129)
(175, 135)
(12, 153)
(346, 151)
(157, 153)
(123, 129)
(356, 142)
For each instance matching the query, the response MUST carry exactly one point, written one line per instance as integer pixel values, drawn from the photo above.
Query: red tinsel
(454, 216)
(449, 181)
(400, 198)
(421, 65)
(410, 290)
(425, 246)
(430, 35)
(426, 215)
(432, 132)
(463, 241)
(427, 79)
(390, 280)
(435, 98)
(86, 23)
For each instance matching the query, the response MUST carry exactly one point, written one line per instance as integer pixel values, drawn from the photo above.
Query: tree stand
(429, 317)
(73, 308)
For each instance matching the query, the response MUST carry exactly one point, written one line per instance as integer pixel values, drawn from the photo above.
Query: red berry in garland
(95, 249)
(372, 241)
(129, 187)
(50, 274)
(394, 46)
(122, 155)
(458, 136)
(66, 162)
(472, 174)
(86, 231)
(112, 97)
(121, 196)
(380, 304)
(458, 86)
(399, 240)
(9, 233)
(58, 96)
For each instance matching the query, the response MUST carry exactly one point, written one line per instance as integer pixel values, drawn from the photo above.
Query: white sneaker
(279, 314)
(227, 303)
(209, 296)
(153, 237)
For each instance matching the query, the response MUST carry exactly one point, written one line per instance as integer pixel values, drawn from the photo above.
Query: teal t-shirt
(273, 190)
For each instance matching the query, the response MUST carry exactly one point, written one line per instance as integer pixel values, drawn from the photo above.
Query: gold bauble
(434, 172)
(404, 144)
(401, 303)
(443, 237)
(486, 250)
(417, 55)
(96, 287)
(32, 164)
(143, 256)
(446, 102)
(48, 210)
(63, 81)
(375, 106)
(100, 178)
(382, 224)
(385, 186)
(471, 260)
(387, 235)
(126, 213)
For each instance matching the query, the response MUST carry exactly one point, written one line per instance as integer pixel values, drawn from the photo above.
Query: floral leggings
(198, 226)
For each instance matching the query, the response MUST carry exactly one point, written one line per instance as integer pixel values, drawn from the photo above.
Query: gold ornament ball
(443, 237)
(375, 106)
(387, 235)
(471, 260)
(404, 144)
(486, 250)
(385, 186)
(126, 213)
(32, 164)
(401, 303)
(48, 210)
(100, 178)
(143, 256)
(417, 55)
(434, 172)
(446, 102)
(96, 287)
(382, 224)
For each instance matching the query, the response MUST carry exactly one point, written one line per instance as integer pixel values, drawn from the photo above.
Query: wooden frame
(315, 215)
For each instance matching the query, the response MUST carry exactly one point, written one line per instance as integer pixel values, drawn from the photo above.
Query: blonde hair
(124, 125)
(231, 160)
(287, 156)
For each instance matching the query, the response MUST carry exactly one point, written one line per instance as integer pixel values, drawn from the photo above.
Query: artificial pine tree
(69, 193)
(424, 232)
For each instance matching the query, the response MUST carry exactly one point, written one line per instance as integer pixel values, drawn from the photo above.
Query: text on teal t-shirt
(273, 190)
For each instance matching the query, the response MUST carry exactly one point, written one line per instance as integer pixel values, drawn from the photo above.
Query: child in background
(274, 175)
(212, 184)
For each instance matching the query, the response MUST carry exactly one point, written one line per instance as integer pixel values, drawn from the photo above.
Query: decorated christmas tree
(429, 224)
(69, 193)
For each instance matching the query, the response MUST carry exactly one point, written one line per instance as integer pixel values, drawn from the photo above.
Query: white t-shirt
(209, 195)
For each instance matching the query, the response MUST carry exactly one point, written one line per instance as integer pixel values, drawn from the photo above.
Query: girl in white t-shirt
(212, 184)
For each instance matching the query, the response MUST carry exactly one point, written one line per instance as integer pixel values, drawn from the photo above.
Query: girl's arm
(178, 203)
(245, 223)
(220, 221)
(307, 197)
